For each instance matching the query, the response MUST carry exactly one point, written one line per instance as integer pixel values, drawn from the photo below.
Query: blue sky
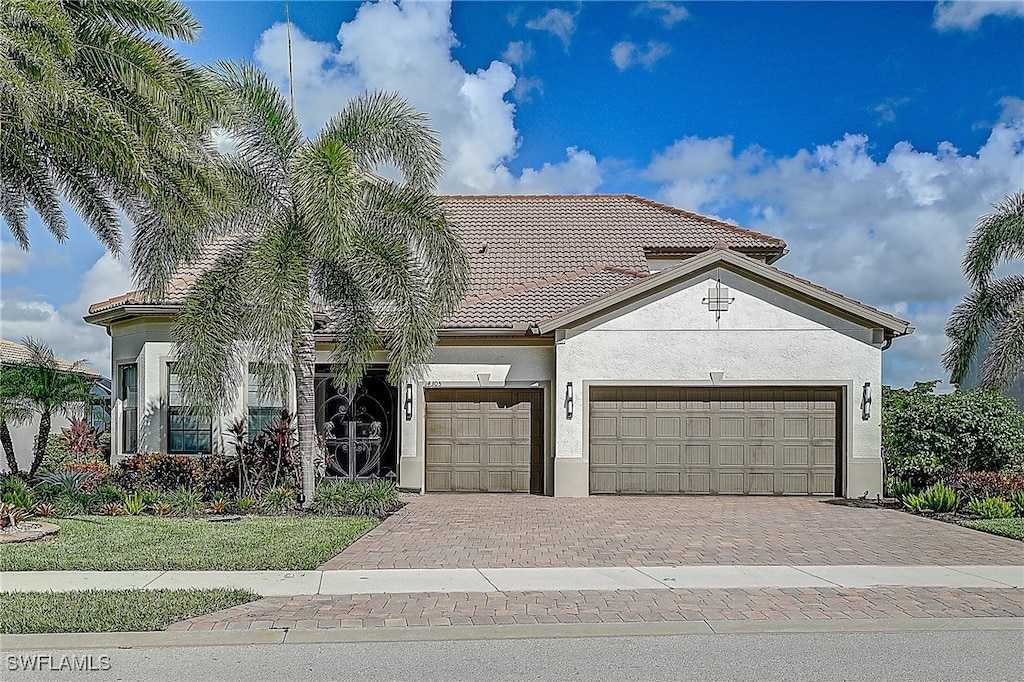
(870, 135)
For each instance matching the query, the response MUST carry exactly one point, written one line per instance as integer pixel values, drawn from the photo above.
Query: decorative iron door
(356, 427)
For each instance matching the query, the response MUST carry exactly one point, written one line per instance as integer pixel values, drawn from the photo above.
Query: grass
(109, 610)
(124, 543)
(1011, 528)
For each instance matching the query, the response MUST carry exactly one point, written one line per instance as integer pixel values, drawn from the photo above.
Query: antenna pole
(291, 73)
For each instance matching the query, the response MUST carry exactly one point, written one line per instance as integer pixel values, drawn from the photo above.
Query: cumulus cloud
(13, 259)
(626, 54)
(669, 13)
(407, 48)
(557, 22)
(888, 232)
(25, 314)
(967, 15)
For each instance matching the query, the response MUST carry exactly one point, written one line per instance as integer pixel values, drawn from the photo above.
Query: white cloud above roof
(557, 22)
(967, 15)
(627, 54)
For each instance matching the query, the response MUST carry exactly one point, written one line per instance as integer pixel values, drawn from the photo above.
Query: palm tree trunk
(41, 440)
(305, 407)
(8, 444)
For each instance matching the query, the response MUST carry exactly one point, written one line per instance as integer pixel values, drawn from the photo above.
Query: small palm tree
(97, 111)
(39, 385)
(317, 231)
(993, 313)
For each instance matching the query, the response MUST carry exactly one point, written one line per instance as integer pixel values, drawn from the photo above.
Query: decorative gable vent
(718, 300)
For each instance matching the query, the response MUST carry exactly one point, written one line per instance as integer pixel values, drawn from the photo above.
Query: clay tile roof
(12, 353)
(533, 256)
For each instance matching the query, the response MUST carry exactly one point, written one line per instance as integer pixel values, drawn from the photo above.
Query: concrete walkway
(484, 580)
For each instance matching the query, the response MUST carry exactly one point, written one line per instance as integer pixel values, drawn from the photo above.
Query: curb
(132, 640)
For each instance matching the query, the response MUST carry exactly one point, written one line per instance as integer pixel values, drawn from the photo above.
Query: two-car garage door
(668, 440)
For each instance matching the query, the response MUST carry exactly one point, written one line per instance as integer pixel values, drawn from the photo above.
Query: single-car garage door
(485, 440)
(664, 440)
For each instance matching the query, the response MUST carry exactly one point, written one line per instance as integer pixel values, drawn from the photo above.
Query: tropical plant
(98, 472)
(75, 504)
(268, 461)
(218, 506)
(278, 500)
(245, 503)
(96, 110)
(105, 494)
(1017, 500)
(162, 508)
(84, 441)
(899, 488)
(67, 482)
(111, 509)
(21, 498)
(42, 386)
(45, 510)
(992, 315)
(161, 471)
(317, 232)
(186, 502)
(991, 508)
(134, 504)
(937, 498)
(927, 437)
(989, 484)
(378, 498)
(11, 515)
(333, 497)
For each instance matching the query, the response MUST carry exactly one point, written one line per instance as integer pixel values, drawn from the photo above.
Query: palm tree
(39, 385)
(97, 111)
(993, 313)
(317, 231)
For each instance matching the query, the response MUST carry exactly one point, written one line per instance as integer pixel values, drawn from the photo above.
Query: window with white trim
(187, 433)
(128, 392)
(264, 405)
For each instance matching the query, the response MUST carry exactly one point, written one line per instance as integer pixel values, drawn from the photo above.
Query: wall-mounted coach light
(568, 400)
(408, 402)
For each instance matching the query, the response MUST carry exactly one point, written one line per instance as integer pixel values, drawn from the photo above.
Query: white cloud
(669, 12)
(14, 259)
(558, 23)
(626, 54)
(63, 327)
(518, 53)
(887, 110)
(407, 48)
(889, 232)
(967, 15)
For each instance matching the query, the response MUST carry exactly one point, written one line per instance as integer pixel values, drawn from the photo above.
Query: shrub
(75, 504)
(218, 474)
(67, 482)
(107, 494)
(15, 492)
(927, 437)
(160, 471)
(269, 461)
(279, 500)
(991, 508)
(101, 473)
(11, 515)
(982, 484)
(84, 441)
(937, 498)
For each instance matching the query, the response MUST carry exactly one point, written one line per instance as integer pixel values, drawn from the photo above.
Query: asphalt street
(875, 656)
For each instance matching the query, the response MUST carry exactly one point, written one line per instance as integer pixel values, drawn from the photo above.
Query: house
(23, 435)
(606, 344)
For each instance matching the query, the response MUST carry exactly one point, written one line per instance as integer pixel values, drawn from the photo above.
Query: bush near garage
(928, 437)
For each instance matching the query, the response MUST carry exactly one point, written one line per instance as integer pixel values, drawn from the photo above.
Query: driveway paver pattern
(585, 606)
(494, 531)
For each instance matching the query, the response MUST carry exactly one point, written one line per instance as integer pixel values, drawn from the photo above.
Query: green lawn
(109, 610)
(1011, 528)
(126, 543)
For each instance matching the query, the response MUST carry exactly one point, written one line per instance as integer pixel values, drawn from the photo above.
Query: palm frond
(1004, 361)
(975, 319)
(382, 129)
(998, 237)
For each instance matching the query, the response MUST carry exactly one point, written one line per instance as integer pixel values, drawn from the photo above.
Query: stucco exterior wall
(675, 340)
(473, 366)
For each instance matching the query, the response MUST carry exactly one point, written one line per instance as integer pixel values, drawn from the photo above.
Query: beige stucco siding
(675, 340)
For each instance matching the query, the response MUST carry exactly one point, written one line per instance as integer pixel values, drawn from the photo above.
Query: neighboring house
(606, 344)
(23, 436)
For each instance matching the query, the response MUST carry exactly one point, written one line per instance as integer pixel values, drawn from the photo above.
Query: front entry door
(357, 427)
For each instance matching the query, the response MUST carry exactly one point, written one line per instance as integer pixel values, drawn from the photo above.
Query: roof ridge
(703, 218)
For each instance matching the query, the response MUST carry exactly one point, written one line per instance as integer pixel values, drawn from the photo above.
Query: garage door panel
(486, 440)
(755, 440)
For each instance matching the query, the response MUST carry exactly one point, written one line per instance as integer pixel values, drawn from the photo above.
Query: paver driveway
(477, 531)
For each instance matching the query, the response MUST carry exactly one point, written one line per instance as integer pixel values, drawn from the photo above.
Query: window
(128, 392)
(264, 406)
(186, 433)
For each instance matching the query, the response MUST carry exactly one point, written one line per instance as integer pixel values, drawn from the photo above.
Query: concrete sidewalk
(484, 580)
